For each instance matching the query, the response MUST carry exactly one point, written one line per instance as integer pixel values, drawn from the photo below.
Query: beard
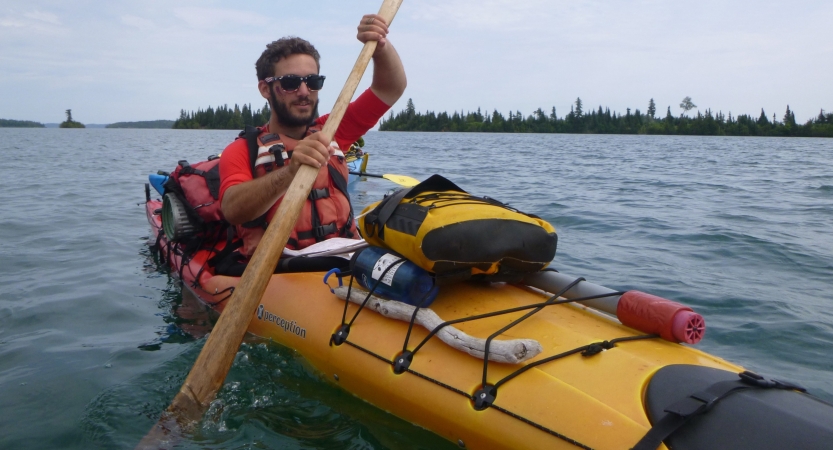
(286, 118)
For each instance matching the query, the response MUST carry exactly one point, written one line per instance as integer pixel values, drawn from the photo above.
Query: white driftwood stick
(513, 351)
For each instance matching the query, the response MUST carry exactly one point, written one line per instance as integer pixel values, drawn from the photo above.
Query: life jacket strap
(341, 184)
(251, 133)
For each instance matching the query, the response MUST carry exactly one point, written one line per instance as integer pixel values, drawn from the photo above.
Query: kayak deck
(571, 401)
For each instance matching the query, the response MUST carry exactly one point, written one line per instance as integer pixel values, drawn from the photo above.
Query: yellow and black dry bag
(456, 235)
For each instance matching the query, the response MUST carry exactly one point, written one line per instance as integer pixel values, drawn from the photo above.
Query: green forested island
(603, 121)
(69, 123)
(143, 124)
(8, 123)
(223, 117)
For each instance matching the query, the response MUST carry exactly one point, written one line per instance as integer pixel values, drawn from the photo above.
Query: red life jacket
(327, 212)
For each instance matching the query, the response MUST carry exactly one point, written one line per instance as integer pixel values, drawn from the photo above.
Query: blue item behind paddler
(456, 235)
(392, 276)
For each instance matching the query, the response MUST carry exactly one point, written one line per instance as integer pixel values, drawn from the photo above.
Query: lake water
(96, 338)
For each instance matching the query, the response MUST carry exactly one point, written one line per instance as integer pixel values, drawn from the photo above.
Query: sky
(112, 61)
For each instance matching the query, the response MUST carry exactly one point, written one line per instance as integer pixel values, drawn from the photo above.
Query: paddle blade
(401, 180)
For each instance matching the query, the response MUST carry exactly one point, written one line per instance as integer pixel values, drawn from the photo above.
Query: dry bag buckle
(753, 379)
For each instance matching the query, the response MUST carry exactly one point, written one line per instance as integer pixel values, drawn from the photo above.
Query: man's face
(297, 108)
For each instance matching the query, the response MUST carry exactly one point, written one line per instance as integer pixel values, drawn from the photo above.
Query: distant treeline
(143, 124)
(20, 124)
(223, 117)
(603, 121)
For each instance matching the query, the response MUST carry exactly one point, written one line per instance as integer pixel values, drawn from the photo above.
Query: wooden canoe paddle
(212, 365)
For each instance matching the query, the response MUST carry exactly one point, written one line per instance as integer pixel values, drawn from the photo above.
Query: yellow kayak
(594, 382)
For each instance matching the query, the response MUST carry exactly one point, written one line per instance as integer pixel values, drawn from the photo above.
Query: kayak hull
(570, 402)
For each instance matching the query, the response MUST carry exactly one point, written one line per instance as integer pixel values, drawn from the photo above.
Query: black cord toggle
(597, 347)
(484, 397)
(340, 335)
(402, 362)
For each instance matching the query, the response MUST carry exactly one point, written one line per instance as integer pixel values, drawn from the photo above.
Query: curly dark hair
(282, 48)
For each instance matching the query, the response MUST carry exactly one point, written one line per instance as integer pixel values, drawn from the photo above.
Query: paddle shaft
(215, 359)
(365, 174)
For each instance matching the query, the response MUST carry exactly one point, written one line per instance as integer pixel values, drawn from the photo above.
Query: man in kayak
(289, 79)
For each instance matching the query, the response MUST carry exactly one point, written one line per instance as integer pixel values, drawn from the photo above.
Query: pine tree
(578, 111)
(410, 110)
(763, 120)
(789, 118)
(687, 105)
(652, 108)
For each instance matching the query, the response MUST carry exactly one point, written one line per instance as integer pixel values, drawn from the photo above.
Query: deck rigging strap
(586, 350)
(487, 315)
(471, 398)
(484, 397)
(340, 336)
(497, 333)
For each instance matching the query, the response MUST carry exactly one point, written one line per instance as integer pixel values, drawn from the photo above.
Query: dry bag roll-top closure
(458, 236)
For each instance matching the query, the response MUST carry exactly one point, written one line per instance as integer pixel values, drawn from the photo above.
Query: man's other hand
(373, 28)
(314, 150)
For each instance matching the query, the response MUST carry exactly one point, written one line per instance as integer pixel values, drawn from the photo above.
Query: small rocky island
(69, 123)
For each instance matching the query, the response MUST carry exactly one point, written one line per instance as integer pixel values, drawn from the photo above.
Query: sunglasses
(291, 83)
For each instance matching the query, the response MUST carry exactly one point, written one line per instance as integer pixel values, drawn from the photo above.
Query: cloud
(479, 13)
(43, 17)
(211, 18)
(137, 22)
(11, 23)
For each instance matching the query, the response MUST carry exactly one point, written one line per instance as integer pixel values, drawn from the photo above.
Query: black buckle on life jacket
(277, 151)
(318, 232)
(324, 230)
(318, 194)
